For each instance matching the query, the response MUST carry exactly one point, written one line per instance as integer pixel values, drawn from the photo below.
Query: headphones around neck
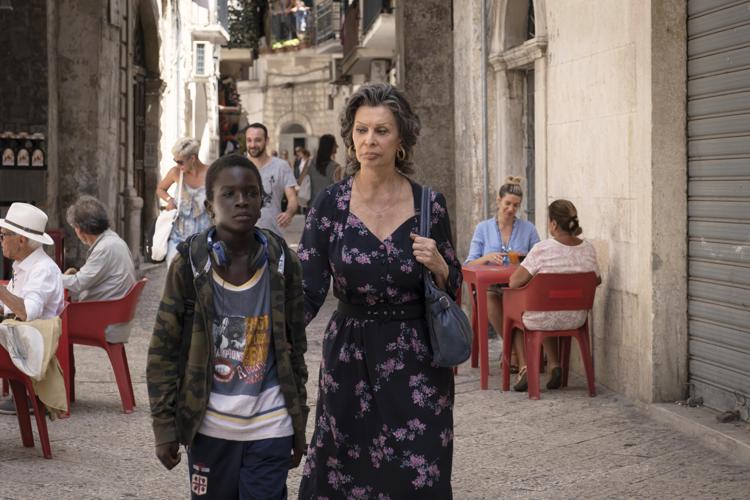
(221, 255)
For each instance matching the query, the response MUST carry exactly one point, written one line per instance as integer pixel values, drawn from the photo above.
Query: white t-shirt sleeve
(532, 263)
(287, 177)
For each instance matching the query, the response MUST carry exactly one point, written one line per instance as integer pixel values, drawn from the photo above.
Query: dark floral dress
(384, 418)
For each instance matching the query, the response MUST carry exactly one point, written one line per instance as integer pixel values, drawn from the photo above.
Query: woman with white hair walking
(190, 175)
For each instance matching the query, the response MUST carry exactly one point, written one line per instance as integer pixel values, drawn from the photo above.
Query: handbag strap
(179, 191)
(424, 212)
(424, 226)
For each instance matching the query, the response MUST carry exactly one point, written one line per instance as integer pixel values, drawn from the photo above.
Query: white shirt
(38, 281)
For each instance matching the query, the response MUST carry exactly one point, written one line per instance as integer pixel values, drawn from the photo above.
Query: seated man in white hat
(36, 290)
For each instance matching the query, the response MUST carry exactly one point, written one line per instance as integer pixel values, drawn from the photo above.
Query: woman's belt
(382, 312)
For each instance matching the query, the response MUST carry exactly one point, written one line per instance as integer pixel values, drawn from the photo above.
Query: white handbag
(163, 228)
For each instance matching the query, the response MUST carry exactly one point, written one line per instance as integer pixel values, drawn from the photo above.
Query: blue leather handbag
(450, 331)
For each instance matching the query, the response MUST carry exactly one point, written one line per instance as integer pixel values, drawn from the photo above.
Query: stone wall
(467, 95)
(292, 88)
(609, 137)
(426, 77)
(23, 83)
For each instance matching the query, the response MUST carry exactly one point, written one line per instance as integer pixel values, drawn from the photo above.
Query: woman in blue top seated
(494, 238)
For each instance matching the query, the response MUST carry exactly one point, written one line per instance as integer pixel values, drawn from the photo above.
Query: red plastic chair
(549, 292)
(86, 324)
(58, 237)
(23, 390)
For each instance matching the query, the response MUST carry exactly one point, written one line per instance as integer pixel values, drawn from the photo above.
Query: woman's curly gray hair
(381, 94)
(89, 215)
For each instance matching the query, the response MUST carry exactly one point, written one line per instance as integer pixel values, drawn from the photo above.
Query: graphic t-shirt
(246, 403)
(276, 175)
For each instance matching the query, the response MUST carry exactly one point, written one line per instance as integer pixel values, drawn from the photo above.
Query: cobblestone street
(565, 446)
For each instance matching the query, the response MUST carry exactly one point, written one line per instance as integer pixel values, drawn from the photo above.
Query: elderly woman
(190, 175)
(384, 418)
(565, 252)
(495, 238)
(108, 272)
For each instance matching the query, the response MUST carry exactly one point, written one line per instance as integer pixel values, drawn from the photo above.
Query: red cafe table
(478, 278)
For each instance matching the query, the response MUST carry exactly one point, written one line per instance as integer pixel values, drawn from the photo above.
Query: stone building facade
(292, 95)
(632, 111)
(110, 84)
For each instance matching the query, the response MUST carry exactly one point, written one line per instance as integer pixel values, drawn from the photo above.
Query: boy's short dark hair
(228, 161)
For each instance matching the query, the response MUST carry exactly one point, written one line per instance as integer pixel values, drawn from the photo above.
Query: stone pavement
(565, 446)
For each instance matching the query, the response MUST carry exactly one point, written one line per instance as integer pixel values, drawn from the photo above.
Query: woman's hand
(426, 252)
(494, 258)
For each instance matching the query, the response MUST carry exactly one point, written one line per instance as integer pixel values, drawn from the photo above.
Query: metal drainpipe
(485, 135)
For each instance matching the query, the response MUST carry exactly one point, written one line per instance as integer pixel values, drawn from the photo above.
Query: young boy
(226, 376)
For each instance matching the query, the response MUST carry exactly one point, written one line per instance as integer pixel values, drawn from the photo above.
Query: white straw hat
(28, 221)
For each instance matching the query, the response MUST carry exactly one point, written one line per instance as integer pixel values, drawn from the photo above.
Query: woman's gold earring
(351, 151)
(401, 154)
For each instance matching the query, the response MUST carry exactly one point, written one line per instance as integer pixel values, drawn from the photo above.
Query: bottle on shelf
(23, 156)
(8, 149)
(37, 154)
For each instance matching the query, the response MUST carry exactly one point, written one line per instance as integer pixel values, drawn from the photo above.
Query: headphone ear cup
(220, 253)
(223, 253)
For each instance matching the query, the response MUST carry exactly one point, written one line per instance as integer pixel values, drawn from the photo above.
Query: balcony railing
(350, 30)
(222, 13)
(327, 21)
(371, 10)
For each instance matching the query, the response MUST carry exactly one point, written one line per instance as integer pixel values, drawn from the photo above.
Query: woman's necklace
(378, 213)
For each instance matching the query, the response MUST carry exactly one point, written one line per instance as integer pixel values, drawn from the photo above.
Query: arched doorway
(147, 87)
(518, 48)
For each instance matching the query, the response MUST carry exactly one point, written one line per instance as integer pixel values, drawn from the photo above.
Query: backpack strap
(189, 303)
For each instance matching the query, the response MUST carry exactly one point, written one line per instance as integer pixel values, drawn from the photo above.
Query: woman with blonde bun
(564, 252)
(492, 241)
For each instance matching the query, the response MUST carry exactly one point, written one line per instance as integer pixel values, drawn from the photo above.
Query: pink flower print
(416, 425)
(353, 452)
(325, 224)
(368, 288)
(358, 493)
(328, 384)
(390, 247)
(407, 266)
(400, 434)
(446, 437)
(363, 259)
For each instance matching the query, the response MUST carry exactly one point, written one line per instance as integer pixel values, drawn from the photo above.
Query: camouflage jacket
(178, 389)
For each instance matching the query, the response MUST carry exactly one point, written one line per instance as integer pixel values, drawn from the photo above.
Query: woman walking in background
(189, 174)
(324, 166)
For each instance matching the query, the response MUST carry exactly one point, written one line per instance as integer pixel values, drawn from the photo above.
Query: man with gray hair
(108, 273)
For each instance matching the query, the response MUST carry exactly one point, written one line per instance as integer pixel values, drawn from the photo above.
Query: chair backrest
(559, 292)
(98, 314)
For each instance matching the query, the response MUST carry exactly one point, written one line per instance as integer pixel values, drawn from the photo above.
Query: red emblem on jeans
(199, 484)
